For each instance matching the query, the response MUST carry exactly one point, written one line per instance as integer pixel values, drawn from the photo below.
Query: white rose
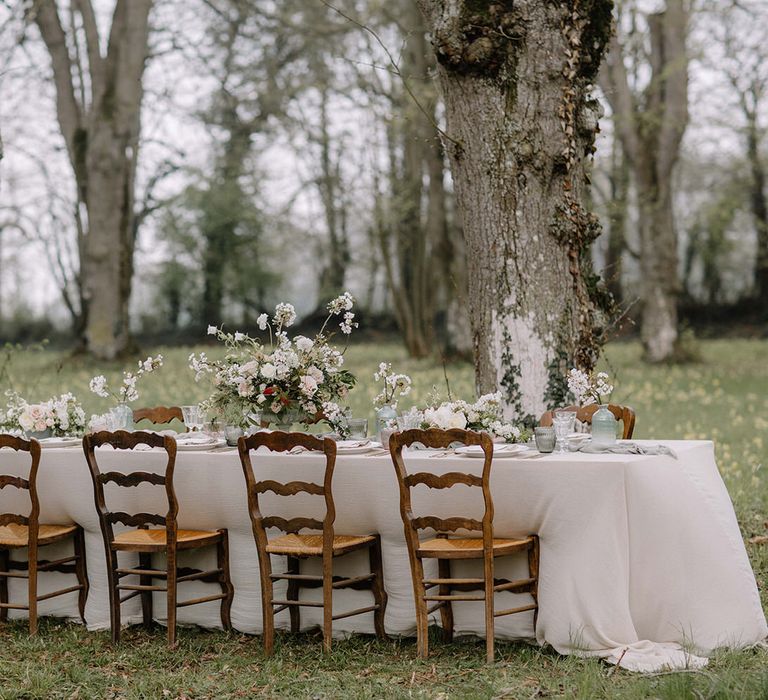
(268, 371)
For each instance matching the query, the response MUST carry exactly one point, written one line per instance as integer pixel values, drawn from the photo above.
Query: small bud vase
(385, 418)
(604, 425)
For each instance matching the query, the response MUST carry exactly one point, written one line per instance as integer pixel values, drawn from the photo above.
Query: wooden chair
(584, 414)
(297, 546)
(445, 548)
(144, 540)
(18, 531)
(159, 415)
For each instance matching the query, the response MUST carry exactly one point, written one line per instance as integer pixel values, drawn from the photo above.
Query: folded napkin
(625, 448)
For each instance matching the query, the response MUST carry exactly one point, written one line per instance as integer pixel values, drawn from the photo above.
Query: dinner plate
(498, 450)
(60, 442)
(356, 447)
(182, 446)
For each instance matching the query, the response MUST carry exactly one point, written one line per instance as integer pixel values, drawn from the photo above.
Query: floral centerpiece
(284, 381)
(60, 416)
(484, 415)
(588, 387)
(393, 383)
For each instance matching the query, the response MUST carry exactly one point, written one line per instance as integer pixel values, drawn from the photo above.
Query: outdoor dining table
(642, 559)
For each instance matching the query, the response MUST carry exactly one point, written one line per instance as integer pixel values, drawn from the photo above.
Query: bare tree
(515, 79)
(99, 96)
(650, 124)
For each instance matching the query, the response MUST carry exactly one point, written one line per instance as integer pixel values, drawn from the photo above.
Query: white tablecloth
(639, 554)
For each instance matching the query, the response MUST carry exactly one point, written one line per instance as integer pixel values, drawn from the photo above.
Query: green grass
(725, 397)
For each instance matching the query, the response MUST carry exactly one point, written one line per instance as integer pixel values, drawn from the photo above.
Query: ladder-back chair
(144, 540)
(584, 414)
(445, 548)
(296, 546)
(19, 531)
(158, 415)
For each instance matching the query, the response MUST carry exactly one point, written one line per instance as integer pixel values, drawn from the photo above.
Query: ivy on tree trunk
(516, 79)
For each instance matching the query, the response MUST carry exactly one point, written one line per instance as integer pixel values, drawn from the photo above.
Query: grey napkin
(626, 448)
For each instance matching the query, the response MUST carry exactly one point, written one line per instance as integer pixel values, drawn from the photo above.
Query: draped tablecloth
(641, 556)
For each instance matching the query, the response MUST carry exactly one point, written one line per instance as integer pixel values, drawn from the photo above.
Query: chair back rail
(31, 520)
(279, 441)
(625, 414)
(158, 415)
(441, 439)
(123, 440)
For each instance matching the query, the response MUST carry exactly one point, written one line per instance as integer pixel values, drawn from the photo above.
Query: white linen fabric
(642, 559)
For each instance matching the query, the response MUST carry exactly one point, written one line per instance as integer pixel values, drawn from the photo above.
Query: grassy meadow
(724, 397)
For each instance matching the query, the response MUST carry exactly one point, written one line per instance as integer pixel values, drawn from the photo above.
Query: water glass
(564, 422)
(358, 428)
(545, 438)
(194, 418)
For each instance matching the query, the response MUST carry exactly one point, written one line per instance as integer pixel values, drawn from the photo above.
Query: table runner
(639, 554)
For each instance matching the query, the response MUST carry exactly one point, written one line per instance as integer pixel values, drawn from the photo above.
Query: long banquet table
(639, 554)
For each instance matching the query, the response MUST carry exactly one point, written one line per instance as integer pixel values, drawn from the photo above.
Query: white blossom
(285, 314)
(262, 321)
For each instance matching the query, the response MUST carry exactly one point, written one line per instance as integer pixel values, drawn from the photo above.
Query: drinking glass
(358, 428)
(545, 438)
(194, 418)
(564, 422)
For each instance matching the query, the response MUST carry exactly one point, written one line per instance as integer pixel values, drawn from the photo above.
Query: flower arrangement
(61, 415)
(588, 388)
(399, 384)
(289, 379)
(484, 415)
(127, 393)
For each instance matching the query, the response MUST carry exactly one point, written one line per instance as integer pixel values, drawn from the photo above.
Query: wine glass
(194, 418)
(564, 421)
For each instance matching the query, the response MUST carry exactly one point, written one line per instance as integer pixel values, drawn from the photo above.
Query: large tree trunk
(515, 78)
(758, 202)
(102, 138)
(651, 130)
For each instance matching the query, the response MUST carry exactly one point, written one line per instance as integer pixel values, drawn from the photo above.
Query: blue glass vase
(604, 425)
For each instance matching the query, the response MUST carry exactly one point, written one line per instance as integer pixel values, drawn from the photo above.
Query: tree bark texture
(515, 78)
(757, 197)
(102, 139)
(651, 128)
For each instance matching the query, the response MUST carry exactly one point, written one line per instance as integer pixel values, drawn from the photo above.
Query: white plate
(356, 447)
(498, 450)
(60, 442)
(200, 446)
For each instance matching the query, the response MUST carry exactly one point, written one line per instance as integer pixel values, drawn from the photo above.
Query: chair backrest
(123, 440)
(434, 437)
(278, 441)
(158, 415)
(29, 484)
(584, 414)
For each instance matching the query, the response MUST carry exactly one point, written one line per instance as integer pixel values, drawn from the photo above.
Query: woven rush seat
(470, 547)
(312, 545)
(155, 540)
(14, 535)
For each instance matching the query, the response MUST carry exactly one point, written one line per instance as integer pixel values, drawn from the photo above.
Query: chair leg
(422, 619)
(533, 572)
(32, 588)
(4, 557)
(145, 562)
(379, 592)
(446, 610)
(267, 610)
(172, 571)
(222, 562)
(327, 600)
(81, 571)
(293, 594)
(114, 595)
(489, 601)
